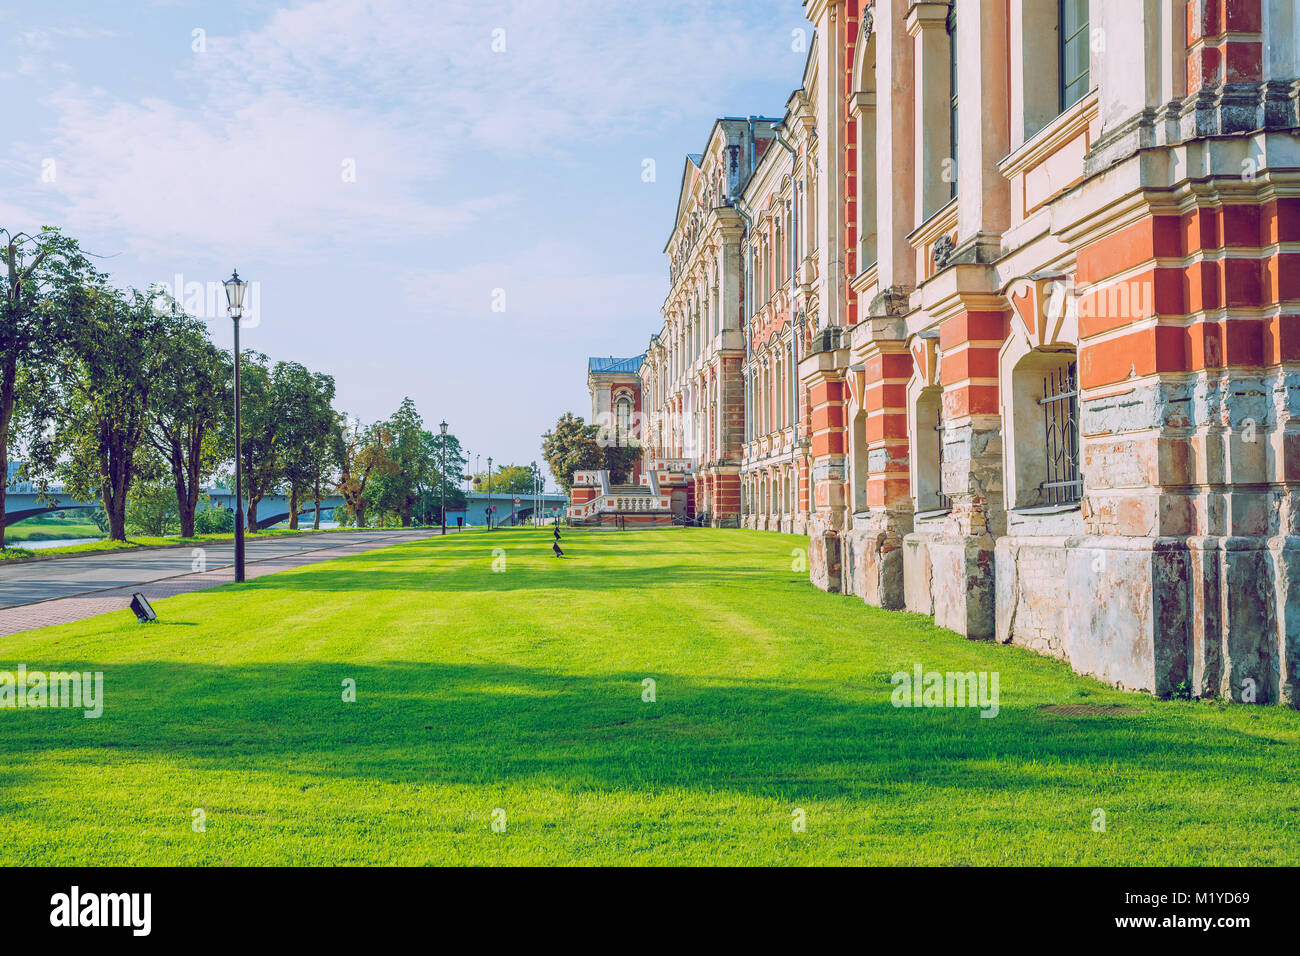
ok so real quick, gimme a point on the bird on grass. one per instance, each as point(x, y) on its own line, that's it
point(555, 546)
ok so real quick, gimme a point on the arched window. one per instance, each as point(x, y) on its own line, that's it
point(1045, 426)
point(622, 420)
point(928, 456)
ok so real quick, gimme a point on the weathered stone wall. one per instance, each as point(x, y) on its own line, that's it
point(1031, 602)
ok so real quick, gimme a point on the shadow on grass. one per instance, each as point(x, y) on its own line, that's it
point(496, 724)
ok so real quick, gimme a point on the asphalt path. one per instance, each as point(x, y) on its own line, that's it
point(35, 581)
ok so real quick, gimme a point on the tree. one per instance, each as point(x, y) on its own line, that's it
point(508, 480)
point(620, 460)
point(261, 431)
point(152, 508)
point(189, 410)
point(455, 466)
point(395, 490)
point(109, 362)
point(362, 453)
point(305, 421)
point(324, 462)
point(44, 279)
point(571, 446)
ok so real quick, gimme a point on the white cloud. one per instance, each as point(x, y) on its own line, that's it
point(244, 153)
point(271, 177)
point(550, 286)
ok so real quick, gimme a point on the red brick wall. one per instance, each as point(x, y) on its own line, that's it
point(1224, 42)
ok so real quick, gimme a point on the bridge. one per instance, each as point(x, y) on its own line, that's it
point(23, 501)
point(477, 503)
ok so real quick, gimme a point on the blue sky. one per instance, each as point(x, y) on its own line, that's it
point(379, 170)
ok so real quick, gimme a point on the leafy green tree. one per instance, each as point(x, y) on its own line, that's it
point(109, 362)
point(210, 519)
point(189, 411)
point(45, 277)
point(152, 509)
point(395, 490)
point(571, 446)
point(620, 460)
point(362, 451)
point(324, 462)
point(260, 433)
point(456, 459)
point(508, 480)
point(305, 422)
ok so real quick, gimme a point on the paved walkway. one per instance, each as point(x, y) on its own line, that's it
point(58, 591)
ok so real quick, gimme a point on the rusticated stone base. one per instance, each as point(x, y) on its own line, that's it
point(1211, 617)
point(824, 561)
point(1127, 620)
point(876, 568)
point(1031, 602)
point(952, 579)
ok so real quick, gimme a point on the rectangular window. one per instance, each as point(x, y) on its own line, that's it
point(1074, 49)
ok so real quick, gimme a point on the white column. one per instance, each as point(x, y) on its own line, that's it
point(895, 192)
point(926, 22)
point(983, 134)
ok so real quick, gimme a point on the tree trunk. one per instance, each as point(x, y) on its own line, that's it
point(360, 512)
point(251, 523)
point(315, 525)
point(115, 507)
point(115, 468)
point(184, 508)
point(7, 378)
point(293, 509)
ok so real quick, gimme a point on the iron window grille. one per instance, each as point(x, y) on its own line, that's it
point(1060, 402)
point(943, 502)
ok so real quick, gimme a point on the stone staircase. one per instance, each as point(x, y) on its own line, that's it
point(640, 503)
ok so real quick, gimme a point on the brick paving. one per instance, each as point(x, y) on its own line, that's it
point(64, 610)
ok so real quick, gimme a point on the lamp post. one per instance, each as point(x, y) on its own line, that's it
point(489, 504)
point(443, 426)
point(235, 287)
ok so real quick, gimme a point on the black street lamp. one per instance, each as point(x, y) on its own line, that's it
point(443, 426)
point(235, 287)
point(489, 504)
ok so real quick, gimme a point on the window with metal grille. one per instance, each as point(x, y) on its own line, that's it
point(1060, 402)
point(1073, 53)
point(943, 502)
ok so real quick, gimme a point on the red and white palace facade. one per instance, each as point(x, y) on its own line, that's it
point(1004, 313)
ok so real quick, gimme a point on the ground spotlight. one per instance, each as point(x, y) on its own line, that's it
point(144, 611)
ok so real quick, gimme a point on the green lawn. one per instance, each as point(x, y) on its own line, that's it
point(142, 541)
point(522, 690)
point(50, 527)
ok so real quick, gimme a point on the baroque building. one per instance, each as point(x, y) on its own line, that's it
point(1004, 313)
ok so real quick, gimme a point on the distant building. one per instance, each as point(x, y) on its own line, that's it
point(615, 387)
